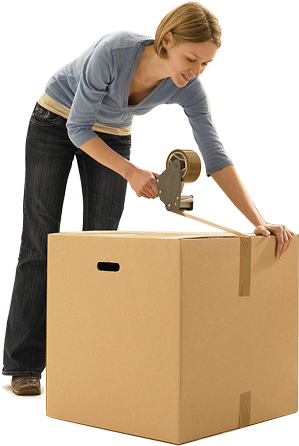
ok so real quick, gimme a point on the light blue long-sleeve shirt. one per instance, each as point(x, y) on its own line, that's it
point(95, 87)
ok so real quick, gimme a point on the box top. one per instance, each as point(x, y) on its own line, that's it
point(150, 235)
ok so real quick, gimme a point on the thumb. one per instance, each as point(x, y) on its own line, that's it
point(261, 230)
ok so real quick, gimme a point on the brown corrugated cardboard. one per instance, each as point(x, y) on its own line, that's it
point(190, 336)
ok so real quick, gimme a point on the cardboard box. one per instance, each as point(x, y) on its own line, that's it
point(171, 336)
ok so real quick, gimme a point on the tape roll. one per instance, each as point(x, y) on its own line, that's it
point(190, 164)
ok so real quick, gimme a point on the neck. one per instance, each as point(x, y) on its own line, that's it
point(152, 67)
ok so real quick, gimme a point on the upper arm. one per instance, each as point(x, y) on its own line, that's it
point(92, 87)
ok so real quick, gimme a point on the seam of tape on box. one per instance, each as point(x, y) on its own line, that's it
point(245, 266)
point(245, 406)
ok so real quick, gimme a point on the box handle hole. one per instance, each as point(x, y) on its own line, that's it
point(108, 266)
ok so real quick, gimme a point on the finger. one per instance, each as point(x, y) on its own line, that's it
point(285, 243)
point(143, 193)
point(288, 238)
point(150, 190)
point(290, 234)
point(150, 193)
point(263, 230)
point(280, 241)
point(153, 189)
point(283, 240)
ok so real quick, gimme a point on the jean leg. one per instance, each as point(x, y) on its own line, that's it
point(103, 189)
point(49, 155)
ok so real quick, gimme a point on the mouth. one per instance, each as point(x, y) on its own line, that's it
point(186, 78)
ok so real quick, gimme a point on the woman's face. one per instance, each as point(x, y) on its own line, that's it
point(187, 60)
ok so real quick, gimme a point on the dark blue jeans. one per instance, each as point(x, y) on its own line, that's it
point(49, 157)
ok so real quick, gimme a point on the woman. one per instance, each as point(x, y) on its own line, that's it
point(87, 111)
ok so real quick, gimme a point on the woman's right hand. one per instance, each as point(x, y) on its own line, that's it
point(143, 182)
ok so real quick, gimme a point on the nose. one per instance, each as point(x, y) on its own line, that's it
point(202, 69)
point(195, 72)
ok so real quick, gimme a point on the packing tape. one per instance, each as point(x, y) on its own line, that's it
point(206, 222)
point(245, 266)
point(244, 411)
point(245, 253)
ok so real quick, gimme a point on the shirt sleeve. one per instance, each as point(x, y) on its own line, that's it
point(195, 103)
point(92, 87)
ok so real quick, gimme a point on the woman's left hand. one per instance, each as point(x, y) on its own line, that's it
point(284, 236)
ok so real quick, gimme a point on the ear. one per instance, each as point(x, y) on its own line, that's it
point(167, 40)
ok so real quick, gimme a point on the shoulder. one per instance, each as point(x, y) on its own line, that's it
point(195, 86)
point(114, 51)
point(119, 40)
point(192, 93)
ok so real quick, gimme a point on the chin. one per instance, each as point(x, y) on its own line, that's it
point(179, 84)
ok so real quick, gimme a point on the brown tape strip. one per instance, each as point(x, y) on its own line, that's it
point(244, 413)
point(245, 266)
point(206, 222)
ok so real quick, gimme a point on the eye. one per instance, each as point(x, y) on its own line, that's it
point(191, 60)
point(205, 64)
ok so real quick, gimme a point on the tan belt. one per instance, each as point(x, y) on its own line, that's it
point(54, 106)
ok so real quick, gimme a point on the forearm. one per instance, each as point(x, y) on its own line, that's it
point(101, 152)
point(143, 182)
point(231, 184)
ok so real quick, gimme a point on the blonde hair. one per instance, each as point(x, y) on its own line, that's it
point(189, 22)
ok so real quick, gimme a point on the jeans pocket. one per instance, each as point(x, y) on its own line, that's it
point(42, 116)
point(125, 139)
